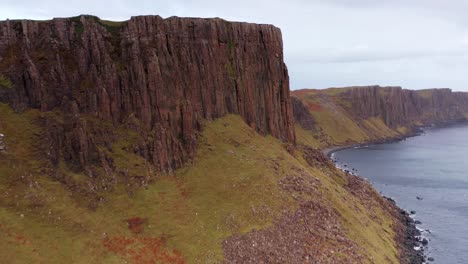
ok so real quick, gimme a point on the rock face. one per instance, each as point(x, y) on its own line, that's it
point(396, 107)
point(401, 107)
point(2, 144)
point(302, 114)
point(161, 77)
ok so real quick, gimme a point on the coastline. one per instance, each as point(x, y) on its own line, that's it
point(408, 239)
point(330, 150)
point(412, 247)
point(416, 131)
point(410, 242)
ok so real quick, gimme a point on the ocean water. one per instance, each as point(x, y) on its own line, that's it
point(432, 166)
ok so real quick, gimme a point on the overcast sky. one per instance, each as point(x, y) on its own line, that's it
point(410, 43)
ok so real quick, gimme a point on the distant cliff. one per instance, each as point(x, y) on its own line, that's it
point(372, 113)
point(160, 77)
point(401, 107)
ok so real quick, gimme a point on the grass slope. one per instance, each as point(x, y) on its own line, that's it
point(231, 187)
point(336, 126)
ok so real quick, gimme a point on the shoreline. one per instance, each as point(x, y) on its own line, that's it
point(411, 245)
point(416, 131)
point(330, 150)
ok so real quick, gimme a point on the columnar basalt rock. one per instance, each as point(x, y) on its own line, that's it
point(162, 77)
point(302, 114)
point(401, 107)
point(2, 144)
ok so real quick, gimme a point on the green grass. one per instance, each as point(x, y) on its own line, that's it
point(192, 211)
point(112, 27)
point(79, 27)
point(5, 82)
point(336, 125)
point(196, 209)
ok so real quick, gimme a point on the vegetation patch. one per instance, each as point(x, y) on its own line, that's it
point(78, 25)
point(336, 124)
point(5, 82)
point(230, 70)
point(144, 250)
point(136, 224)
point(112, 27)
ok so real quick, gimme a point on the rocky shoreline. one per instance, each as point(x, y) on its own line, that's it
point(330, 150)
point(413, 133)
point(409, 237)
point(411, 243)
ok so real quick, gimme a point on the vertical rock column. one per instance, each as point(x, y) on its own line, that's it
point(164, 75)
point(2, 144)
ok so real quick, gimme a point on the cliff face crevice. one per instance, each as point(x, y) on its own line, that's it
point(301, 114)
point(161, 77)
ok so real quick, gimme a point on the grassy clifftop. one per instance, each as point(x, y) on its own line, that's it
point(243, 198)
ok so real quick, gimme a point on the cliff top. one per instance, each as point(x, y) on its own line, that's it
point(338, 90)
point(118, 23)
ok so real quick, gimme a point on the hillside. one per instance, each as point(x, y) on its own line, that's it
point(242, 188)
point(171, 141)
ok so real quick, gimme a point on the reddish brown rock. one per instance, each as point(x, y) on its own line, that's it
point(402, 107)
point(160, 76)
point(302, 114)
point(396, 106)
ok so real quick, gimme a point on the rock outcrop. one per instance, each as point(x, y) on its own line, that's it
point(160, 77)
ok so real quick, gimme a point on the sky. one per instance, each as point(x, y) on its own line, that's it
point(327, 43)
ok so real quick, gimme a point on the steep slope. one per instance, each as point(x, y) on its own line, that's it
point(354, 115)
point(245, 199)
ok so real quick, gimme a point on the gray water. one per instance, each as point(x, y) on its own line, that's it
point(432, 166)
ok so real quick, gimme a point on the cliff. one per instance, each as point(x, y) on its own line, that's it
point(352, 115)
point(92, 111)
point(301, 114)
point(159, 77)
point(402, 107)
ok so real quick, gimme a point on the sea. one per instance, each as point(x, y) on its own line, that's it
point(427, 174)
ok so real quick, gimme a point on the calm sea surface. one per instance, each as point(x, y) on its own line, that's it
point(434, 167)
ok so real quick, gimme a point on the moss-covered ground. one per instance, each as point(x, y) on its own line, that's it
point(179, 218)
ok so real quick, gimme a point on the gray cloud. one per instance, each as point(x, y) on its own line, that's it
point(412, 43)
